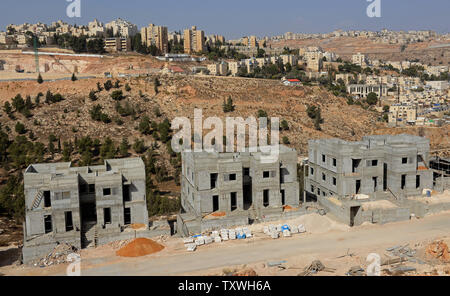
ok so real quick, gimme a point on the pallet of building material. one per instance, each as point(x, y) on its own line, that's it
point(266, 229)
point(200, 241)
point(285, 227)
point(301, 228)
point(294, 229)
point(286, 233)
point(217, 239)
point(278, 227)
point(191, 247)
point(208, 240)
point(274, 235)
point(188, 240)
point(215, 233)
point(232, 234)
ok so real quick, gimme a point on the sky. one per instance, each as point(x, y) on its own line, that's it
point(237, 18)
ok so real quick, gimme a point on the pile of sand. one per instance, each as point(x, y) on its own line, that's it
point(137, 226)
point(139, 247)
point(315, 223)
point(378, 204)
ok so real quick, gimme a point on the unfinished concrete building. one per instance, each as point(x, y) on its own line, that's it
point(82, 206)
point(377, 166)
point(238, 185)
point(375, 180)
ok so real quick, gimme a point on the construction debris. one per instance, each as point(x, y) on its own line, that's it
point(57, 256)
point(245, 272)
point(438, 250)
point(275, 263)
point(399, 270)
point(315, 267)
point(355, 271)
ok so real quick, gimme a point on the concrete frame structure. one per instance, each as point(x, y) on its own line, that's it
point(377, 166)
point(82, 205)
point(239, 184)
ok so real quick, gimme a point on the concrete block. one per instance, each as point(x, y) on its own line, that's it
point(286, 233)
point(191, 247)
point(208, 240)
point(188, 240)
point(301, 228)
point(200, 241)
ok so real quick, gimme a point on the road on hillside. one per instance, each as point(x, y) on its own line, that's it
point(337, 241)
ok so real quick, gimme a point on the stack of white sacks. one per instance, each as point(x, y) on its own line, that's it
point(191, 243)
point(274, 231)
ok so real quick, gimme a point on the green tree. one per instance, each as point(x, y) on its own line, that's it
point(117, 95)
point(139, 146)
point(284, 125)
point(123, 148)
point(372, 98)
point(261, 113)
point(92, 96)
point(108, 85)
point(20, 128)
point(39, 79)
point(228, 105)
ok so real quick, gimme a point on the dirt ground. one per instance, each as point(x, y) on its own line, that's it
point(320, 230)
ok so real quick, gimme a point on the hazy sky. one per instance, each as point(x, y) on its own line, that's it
point(235, 19)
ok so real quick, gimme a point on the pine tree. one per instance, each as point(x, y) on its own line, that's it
point(39, 79)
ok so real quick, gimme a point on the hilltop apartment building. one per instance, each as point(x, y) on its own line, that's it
point(156, 35)
point(194, 40)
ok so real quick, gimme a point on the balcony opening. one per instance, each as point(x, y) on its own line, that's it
point(266, 198)
point(355, 164)
point(48, 223)
point(215, 202)
point(127, 216)
point(47, 199)
point(403, 182)
point(107, 216)
point(126, 193)
point(358, 186)
point(68, 221)
point(233, 197)
point(213, 180)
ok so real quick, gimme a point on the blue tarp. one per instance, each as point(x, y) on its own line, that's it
point(285, 227)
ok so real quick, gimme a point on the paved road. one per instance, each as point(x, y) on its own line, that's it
point(359, 237)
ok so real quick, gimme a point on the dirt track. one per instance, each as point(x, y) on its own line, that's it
point(298, 250)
